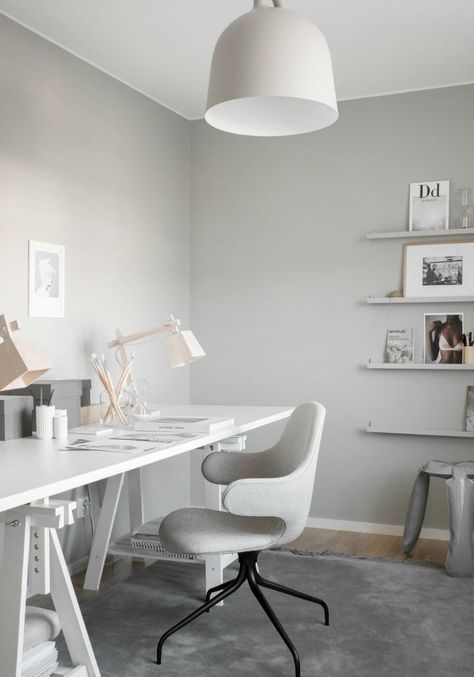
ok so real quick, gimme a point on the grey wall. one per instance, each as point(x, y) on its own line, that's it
point(280, 265)
point(280, 268)
point(88, 163)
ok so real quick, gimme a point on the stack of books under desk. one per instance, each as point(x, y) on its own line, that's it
point(40, 656)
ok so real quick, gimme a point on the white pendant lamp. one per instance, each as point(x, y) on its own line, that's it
point(271, 75)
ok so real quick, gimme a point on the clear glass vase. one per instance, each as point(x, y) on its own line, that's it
point(109, 416)
point(464, 208)
point(138, 391)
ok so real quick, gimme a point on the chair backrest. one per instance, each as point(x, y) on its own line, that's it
point(300, 440)
point(284, 486)
point(297, 453)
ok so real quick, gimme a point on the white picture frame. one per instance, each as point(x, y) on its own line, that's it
point(429, 206)
point(438, 269)
point(46, 279)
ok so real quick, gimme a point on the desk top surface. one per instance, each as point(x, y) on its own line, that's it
point(32, 469)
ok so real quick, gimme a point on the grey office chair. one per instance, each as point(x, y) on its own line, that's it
point(266, 503)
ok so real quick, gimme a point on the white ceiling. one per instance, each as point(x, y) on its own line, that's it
point(163, 48)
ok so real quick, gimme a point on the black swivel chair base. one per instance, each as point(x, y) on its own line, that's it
point(248, 572)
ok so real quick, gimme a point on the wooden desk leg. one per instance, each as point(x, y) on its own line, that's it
point(67, 608)
point(103, 532)
point(13, 584)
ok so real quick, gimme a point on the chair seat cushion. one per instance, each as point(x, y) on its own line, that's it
point(200, 531)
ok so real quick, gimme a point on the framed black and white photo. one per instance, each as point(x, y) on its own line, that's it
point(442, 269)
point(46, 279)
point(429, 205)
point(443, 338)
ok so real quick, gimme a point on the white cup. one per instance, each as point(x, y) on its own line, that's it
point(60, 424)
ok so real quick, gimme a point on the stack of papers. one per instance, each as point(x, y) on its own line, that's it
point(125, 442)
point(159, 438)
point(113, 445)
point(40, 661)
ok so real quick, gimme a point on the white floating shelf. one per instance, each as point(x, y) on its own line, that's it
point(402, 430)
point(418, 299)
point(402, 234)
point(417, 365)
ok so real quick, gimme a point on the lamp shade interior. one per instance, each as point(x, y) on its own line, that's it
point(183, 348)
point(270, 116)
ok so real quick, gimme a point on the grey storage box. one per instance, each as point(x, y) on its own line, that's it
point(68, 394)
point(15, 416)
point(86, 392)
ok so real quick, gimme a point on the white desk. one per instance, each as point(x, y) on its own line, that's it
point(33, 470)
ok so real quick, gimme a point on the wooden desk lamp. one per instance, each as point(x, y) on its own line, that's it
point(181, 346)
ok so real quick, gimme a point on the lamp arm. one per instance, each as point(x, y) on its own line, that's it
point(171, 323)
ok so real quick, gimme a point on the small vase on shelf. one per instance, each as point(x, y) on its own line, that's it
point(464, 208)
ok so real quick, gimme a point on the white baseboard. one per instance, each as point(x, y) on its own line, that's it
point(373, 528)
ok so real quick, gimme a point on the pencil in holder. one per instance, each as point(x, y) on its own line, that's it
point(44, 422)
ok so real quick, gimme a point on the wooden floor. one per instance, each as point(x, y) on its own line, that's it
point(311, 540)
point(369, 545)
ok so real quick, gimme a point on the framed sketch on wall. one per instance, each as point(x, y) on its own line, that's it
point(46, 279)
point(442, 269)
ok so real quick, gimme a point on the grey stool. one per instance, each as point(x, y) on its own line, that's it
point(266, 503)
point(460, 494)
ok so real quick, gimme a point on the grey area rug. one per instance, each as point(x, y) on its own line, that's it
point(387, 619)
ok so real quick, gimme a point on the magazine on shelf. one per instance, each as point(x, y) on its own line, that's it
point(400, 346)
point(191, 424)
point(429, 205)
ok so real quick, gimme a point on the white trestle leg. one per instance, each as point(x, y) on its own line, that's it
point(103, 532)
point(33, 563)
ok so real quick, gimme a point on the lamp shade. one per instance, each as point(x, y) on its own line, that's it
point(21, 362)
point(183, 348)
point(271, 75)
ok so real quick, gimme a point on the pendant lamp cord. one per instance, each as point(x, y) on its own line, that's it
point(262, 3)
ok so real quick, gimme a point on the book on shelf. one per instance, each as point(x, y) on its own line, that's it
point(178, 424)
point(470, 409)
point(400, 346)
point(429, 205)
